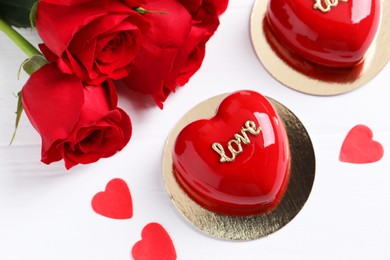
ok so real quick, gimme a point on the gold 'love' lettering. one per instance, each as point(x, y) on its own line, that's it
point(326, 5)
point(250, 127)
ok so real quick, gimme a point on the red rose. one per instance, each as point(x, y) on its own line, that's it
point(205, 21)
point(94, 39)
point(77, 123)
point(166, 36)
point(178, 39)
point(212, 6)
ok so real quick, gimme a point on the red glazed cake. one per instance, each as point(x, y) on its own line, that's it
point(238, 162)
point(333, 33)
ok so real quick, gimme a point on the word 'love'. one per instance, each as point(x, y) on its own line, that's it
point(250, 127)
point(326, 5)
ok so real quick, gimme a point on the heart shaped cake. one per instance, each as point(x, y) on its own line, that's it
point(238, 162)
point(334, 33)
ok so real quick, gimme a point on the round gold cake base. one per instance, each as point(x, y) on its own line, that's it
point(301, 75)
point(251, 227)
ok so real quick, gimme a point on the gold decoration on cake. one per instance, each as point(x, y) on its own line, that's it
point(326, 5)
point(250, 127)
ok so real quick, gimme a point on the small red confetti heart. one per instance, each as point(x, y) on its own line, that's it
point(115, 202)
point(155, 244)
point(359, 147)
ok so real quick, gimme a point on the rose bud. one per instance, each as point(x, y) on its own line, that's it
point(77, 123)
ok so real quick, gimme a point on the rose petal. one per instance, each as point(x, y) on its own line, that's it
point(212, 6)
point(134, 3)
point(68, 64)
point(65, 2)
point(52, 101)
point(57, 33)
point(112, 95)
point(216, 6)
point(191, 5)
point(95, 106)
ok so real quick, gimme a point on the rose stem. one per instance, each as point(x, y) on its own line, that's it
point(18, 39)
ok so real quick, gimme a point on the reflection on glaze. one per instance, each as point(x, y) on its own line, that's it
point(267, 128)
point(361, 11)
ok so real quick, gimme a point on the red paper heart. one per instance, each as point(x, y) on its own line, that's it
point(115, 202)
point(155, 244)
point(255, 180)
point(359, 147)
point(338, 35)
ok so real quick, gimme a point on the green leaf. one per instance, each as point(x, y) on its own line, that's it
point(16, 12)
point(33, 64)
point(33, 15)
point(19, 111)
point(30, 65)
